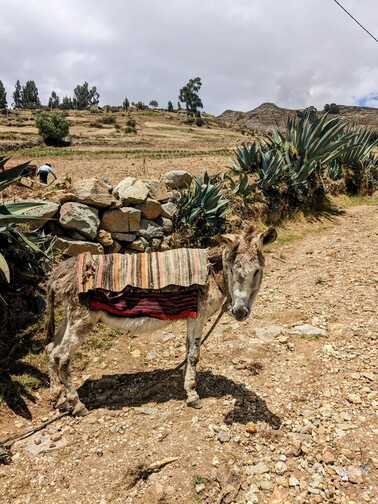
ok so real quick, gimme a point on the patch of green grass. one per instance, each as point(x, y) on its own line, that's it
point(124, 153)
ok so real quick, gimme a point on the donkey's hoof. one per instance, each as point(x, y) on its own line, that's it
point(80, 410)
point(194, 403)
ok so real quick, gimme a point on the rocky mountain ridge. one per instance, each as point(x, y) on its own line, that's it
point(269, 116)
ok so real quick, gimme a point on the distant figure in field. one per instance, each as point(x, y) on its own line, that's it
point(44, 171)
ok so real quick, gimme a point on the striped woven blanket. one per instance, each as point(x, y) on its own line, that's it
point(162, 285)
point(162, 304)
point(155, 270)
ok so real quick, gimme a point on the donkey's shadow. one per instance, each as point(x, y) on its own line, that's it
point(162, 385)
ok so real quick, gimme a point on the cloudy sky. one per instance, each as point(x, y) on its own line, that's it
point(292, 52)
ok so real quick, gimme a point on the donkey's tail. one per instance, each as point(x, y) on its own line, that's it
point(50, 315)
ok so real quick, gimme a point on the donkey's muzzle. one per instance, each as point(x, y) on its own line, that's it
point(240, 312)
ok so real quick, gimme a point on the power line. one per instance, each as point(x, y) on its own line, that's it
point(355, 20)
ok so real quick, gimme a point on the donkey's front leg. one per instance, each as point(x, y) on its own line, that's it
point(193, 345)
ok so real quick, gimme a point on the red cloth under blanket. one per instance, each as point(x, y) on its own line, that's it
point(180, 303)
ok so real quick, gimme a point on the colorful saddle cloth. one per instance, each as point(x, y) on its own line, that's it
point(163, 285)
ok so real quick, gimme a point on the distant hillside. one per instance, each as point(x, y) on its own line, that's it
point(269, 116)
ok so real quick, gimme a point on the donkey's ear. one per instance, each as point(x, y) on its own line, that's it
point(231, 240)
point(250, 233)
point(268, 236)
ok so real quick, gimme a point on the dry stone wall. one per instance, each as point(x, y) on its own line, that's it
point(136, 215)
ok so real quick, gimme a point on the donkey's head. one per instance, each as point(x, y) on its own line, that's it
point(243, 265)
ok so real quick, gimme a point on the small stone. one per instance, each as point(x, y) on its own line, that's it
point(215, 461)
point(328, 456)
point(200, 488)
point(280, 468)
point(308, 330)
point(105, 238)
point(259, 468)
point(354, 398)
point(151, 356)
point(265, 485)
point(223, 437)
point(251, 428)
point(56, 436)
point(328, 349)
point(355, 474)
point(149, 411)
point(293, 482)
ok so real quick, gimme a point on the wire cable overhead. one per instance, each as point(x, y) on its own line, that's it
point(355, 20)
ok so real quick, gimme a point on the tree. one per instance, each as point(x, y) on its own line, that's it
point(189, 96)
point(331, 108)
point(178, 105)
point(3, 96)
point(154, 103)
point(125, 104)
point(85, 97)
point(29, 96)
point(170, 106)
point(17, 95)
point(67, 103)
point(54, 101)
point(140, 106)
point(53, 127)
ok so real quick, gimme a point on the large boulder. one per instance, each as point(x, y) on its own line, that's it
point(166, 224)
point(121, 220)
point(74, 247)
point(94, 192)
point(168, 210)
point(139, 245)
point(81, 218)
point(157, 190)
point(177, 179)
point(105, 238)
point(151, 209)
point(131, 191)
point(44, 209)
point(150, 229)
point(124, 237)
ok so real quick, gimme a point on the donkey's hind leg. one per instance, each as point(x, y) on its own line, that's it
point(79, 323)
point(56, 386)
point(193, 345)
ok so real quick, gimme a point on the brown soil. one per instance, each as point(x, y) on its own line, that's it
point(302, 411)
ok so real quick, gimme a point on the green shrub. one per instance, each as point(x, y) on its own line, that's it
point(130, 130)
point(108, 119)
point(131, 122)
point(53, 127)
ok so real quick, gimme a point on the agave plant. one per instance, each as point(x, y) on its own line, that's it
point(24, 256)
point(357, 164)
point(201, 211)
point(247, 159)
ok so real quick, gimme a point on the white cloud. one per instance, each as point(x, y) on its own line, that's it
point(295, 53)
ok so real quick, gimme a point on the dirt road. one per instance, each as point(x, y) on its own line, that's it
point(290, 413)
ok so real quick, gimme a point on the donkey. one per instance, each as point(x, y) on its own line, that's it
point(236, 281)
